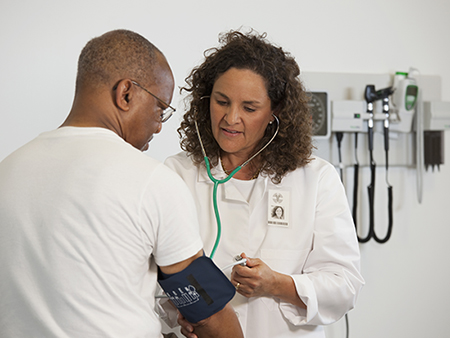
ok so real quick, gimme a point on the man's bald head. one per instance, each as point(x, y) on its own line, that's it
point(116, 55)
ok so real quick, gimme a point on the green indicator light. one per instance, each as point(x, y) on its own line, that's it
point(357, 116)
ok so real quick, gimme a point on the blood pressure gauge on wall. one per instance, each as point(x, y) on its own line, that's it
point(320, 113)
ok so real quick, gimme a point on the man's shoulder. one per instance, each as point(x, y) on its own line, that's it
point(181, 158)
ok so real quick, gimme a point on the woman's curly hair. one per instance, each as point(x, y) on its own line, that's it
point(292, 147)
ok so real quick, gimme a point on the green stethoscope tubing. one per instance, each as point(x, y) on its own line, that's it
point(226, 179)
point(215, 204)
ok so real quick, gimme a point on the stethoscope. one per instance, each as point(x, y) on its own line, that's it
point(238, 260)
point(217, 182)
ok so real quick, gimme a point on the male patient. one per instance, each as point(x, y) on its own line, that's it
point(86, 218)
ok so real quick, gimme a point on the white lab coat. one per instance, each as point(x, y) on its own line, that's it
point(319, 249)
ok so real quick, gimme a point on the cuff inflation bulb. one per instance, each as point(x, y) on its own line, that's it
point(238, 260)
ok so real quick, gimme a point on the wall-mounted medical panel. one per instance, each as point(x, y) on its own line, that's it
point(346, 94)
point(436, 115)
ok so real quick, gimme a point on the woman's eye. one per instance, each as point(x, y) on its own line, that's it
point(222, 103)
point(249, 109)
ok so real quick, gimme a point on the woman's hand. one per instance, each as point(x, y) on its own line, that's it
point(186, 327)
point(257, 279)
point(222, 324)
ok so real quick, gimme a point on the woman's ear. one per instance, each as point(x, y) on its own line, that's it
point(273, 118)
point(122, 95)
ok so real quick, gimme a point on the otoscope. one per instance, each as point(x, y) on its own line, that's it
point(371, 95)
point(383, 94)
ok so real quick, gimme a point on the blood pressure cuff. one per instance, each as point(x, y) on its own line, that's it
point(199, 291)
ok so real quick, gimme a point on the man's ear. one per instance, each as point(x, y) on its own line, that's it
point(123, 94)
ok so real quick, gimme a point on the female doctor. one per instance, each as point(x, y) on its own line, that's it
point(302, 270)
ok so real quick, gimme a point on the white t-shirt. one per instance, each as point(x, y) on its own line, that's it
point(84, 219)
point(314, 242)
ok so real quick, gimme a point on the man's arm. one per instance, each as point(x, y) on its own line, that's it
point(177, 267)
point(223, 323)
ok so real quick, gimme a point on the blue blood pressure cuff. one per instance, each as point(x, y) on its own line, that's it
point(199, 291)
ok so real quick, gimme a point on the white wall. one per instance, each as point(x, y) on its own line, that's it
point(407, 279)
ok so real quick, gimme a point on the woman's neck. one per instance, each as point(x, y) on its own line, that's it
point(248, 172)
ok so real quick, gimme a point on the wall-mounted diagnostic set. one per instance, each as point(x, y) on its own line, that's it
point(404, 107)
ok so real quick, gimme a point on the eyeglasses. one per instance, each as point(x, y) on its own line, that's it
point(167, 112)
